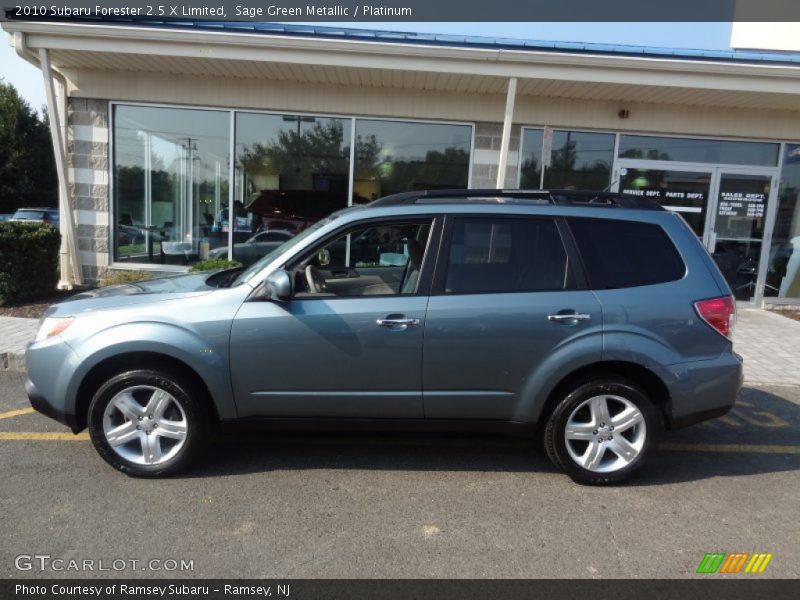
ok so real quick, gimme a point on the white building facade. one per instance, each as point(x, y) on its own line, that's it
point(179, 140)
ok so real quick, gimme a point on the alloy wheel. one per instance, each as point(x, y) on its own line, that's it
point(605, 433)
point(145, 425)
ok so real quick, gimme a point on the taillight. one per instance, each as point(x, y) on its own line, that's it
point(720, 313)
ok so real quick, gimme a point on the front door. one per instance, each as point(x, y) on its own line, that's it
point(736, 232)
point(349, 342)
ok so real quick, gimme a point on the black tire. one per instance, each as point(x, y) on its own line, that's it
point(184, 393)
point(555, 429)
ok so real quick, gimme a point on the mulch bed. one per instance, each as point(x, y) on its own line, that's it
point(792, 314)
point(34, 309)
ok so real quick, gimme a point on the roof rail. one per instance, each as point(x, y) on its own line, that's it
point(556, 197)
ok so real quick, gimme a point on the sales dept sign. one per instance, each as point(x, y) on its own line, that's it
point(740, 204)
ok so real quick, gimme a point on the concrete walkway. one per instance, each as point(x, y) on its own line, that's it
point(769, 343)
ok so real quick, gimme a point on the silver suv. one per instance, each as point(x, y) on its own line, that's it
point(594, 319)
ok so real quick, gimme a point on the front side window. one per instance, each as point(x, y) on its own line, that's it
point(170, 183)
point(622, 254)
point(381, 259)
point(505, 255)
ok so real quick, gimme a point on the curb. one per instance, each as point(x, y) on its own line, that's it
point(12, 361)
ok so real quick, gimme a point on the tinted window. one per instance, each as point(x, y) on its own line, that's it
point(619, 254)
point(505, 255)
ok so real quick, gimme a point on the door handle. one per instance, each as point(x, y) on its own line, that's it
point(398, 322)
point(569, 317)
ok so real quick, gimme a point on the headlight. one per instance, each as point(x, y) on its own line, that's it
point(53, 326)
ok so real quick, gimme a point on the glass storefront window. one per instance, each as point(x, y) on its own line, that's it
point(725, 152)
point(685, 192)
point(393, 156)
point(291, 170)
point(580, 160)
point(783, 274)
point(170, 181)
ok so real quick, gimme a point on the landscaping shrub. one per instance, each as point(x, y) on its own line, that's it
point(28, 260)
point(119, 277)
point(215, 264)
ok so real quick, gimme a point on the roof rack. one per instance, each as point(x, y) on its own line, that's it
point(488, 196)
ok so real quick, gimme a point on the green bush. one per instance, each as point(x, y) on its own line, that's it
point(119, 277)
point(215, 264)
point(28, 260)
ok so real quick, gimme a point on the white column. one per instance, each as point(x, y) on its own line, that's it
point(506, 140)
point(69, 262)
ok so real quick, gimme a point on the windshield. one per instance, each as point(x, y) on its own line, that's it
point(287, 245)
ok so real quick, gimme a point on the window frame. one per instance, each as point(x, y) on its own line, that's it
point(429, 259)
point(576, 277)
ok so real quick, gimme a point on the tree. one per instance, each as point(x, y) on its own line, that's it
point(27, 166)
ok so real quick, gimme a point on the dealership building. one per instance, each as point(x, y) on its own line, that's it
point(177, 139)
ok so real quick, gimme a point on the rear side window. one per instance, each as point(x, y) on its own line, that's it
point(621, 254)
point(491, 255)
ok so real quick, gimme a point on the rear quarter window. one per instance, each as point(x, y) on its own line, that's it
point(622, 254)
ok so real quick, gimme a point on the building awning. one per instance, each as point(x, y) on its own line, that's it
point(421, 61)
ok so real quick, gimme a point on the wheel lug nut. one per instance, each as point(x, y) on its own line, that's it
point(155, 425)
point(611, 428)
point(610, 437)
point(149, 416)
point(138, 427)
point(594, 432)
point(602, 424)
point(140, 418)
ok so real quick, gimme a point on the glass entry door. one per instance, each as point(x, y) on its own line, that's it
point(684, 190)
point(737, 230)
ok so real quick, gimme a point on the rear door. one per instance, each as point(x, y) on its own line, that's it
point(507, 301)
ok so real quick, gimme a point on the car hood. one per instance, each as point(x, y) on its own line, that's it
point(155, 290)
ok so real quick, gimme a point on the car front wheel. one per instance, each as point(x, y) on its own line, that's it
point(148, 423)
point(602, 431)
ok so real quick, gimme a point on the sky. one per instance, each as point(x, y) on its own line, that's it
point(706, 36)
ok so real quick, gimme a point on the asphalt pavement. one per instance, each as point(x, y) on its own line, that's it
point(381, 506)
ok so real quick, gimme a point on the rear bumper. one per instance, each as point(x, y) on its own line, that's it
point(702, 390)
point(40, 404)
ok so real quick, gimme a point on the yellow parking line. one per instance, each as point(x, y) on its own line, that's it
point(43, 436)
point(746, 448)
point(16, 413)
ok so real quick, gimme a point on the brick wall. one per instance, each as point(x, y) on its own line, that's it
point(486, 158)
point(87, 175)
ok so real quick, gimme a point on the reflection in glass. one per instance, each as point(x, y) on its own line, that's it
point(170, 180)
point(291, 170)
point(394, 157)
point(580, 160)
point(739, 228)
point(726, 152)
point(685, 192)
point(783, 276)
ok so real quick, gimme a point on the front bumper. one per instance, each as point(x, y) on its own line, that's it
point(40, 404)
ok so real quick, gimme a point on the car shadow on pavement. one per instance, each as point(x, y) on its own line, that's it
point(760, 435)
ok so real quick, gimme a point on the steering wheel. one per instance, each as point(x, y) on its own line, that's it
point(316, 282)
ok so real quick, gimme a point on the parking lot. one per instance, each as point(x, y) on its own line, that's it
point(295, 506)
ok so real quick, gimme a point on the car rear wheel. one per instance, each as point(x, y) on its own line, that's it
point(602, 431)
point(148, 423)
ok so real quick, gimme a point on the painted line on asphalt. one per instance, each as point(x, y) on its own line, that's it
point(745, 448)
point(16, 413)
point(43, 436)
point(59, 436)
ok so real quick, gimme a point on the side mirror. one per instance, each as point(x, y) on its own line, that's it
point(278, 286)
